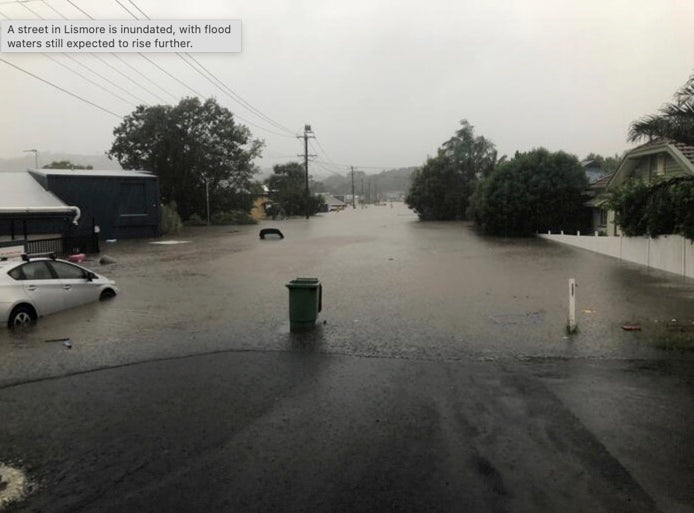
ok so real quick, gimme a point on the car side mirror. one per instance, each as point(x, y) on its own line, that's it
point(91, 276)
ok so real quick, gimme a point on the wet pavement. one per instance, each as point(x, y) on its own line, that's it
point(440, 377)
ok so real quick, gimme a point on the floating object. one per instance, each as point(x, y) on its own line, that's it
point(270, 231)
point(106, 260)
point(631, 327)
point(111, 241)
point(77, 258)
point(14, 485)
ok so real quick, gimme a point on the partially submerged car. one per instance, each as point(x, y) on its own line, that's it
point(36, 286)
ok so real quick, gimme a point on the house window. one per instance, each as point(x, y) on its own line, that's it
point(603, 217)
point(660, 165)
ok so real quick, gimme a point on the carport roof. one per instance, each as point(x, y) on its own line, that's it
point(123, 173)
point(19, 190)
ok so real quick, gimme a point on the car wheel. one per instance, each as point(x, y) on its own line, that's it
point(107, 294)
point(22, 316)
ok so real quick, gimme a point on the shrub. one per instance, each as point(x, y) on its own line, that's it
point(666, 207)
point(169, 220)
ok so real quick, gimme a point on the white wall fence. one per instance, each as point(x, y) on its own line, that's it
point(671, 253)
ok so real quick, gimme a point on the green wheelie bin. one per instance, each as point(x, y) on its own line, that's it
point(305, 301)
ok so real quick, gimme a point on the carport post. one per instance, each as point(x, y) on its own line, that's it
point(571, 327)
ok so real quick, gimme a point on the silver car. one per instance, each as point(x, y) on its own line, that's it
point(34, 287)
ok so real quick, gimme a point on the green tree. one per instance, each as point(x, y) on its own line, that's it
point(65, 164)
point(441, 188)
point(189, 146)
point(533, 192)
point(607, 164)
point(665, 207)
point(288, 190)
point(674, 120)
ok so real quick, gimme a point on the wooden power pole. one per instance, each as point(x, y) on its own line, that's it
point(306, 136)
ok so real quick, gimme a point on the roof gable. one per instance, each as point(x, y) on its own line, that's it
point(681, 153)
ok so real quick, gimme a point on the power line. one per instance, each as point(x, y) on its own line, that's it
point(88, 79)
point(136, 7)
point(53, 9)
point(383, 168)
point(60, 88)
point(101, 59)
point(235, 96)
point(94, 72)
point(214, 80)
point(126, 9)
point(237, 115)
point(115, 55)
point(79, 9)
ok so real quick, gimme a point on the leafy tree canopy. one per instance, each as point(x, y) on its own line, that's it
point(534, 191)
point(674, 120)
point(608, 165)
point(665, 207)
point(288, 191)
point(441, 188)
point(189, 146)
point(65, 164)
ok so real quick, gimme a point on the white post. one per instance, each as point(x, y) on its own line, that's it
point(571, 327)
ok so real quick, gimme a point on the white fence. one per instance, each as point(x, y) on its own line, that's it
point(671, 253)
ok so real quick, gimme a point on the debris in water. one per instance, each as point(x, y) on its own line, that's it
point(13, 485)
point(67, 343)
point(105, 259)
point(631, 327)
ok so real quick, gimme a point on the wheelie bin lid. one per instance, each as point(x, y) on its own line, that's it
point(303, 283)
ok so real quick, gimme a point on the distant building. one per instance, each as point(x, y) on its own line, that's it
point(331, 203)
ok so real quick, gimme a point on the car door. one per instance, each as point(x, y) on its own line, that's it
point(78, 289)
point(42, 288)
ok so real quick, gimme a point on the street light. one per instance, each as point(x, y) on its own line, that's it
point(36, 157)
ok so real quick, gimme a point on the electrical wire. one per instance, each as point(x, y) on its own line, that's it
point(60, 88)
point(105, 79)
point(88, 79)
point(212, 78)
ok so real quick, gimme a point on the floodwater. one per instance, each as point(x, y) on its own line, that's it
point(392, 287)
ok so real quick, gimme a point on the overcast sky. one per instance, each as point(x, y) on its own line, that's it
point(383, 83)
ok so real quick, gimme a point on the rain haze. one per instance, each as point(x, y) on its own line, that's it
point(382, 84)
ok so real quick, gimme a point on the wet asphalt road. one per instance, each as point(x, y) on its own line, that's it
point(442, 380)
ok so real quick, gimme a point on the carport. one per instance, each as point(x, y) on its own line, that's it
point(29, 212)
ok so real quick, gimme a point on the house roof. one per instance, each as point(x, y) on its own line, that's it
point(22, 197)
point(680, 152)
point(120, 173)
point(18, 189)
point(331, 200)
point(601, 182)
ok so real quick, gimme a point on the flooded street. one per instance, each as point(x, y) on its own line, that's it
point(393, 287)
point(439, 378)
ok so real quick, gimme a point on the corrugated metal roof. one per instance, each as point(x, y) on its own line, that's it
point(18, 189)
